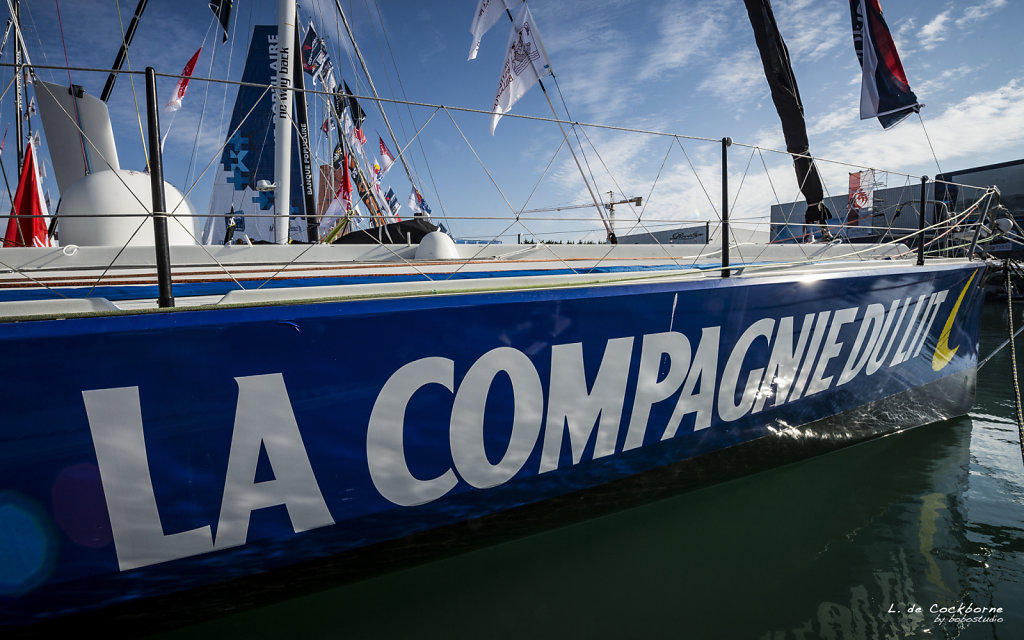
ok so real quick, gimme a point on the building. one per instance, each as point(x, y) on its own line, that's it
point(891, 212)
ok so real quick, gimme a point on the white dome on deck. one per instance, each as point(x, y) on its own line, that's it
point(93, 211)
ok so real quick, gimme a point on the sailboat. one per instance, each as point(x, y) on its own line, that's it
point(180, 422)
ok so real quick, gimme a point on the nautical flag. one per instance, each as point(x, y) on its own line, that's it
point(392, 201)
point(488, 12)
point(349, 100)
point(326, 126)
point(31, 109)
point(175, 102)
point(885, 93)
point(353, 134)
point(345, 190)
point(386, 159)
point(222, 9)
point(862, 189)
point(377, 172)
point(526, 62)
point(341, 204)
point(27, 225)
point(417, 204)
point(327, 75)
point(314, 52)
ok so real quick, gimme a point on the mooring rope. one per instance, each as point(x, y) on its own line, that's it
point(1013, 362)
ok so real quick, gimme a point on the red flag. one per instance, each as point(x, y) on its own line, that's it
point(27, 225)
point(175, 102)
point(345, 188)
point(386, 159)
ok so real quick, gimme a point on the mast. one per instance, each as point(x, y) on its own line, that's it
point(283, 120)
point(122, 53)
point(18, 88)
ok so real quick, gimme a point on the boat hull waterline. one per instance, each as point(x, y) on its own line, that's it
point(218, 443)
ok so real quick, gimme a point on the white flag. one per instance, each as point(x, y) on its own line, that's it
point(526, 62)
point(487, 13)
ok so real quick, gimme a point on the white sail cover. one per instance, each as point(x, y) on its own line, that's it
point(78, 132)
point(526, 62)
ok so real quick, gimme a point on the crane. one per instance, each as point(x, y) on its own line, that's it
point(609, 206)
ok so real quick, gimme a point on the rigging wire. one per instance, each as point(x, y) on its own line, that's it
point(401, 85)
point(131, 80)
point(63, 42)
point(1013, 362)
point(928, 138)
point(202, 112)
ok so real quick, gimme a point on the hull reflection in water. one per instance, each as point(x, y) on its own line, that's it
point(819, 549)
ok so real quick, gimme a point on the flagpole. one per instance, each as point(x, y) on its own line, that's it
point(122, 53)
point(565, 136)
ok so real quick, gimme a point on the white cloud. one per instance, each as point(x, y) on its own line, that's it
point(933, 33)
point(979, 12)
point(943, 81)
point(683, 35)
point(979, 129)
point(738, 78)
point(812, 29)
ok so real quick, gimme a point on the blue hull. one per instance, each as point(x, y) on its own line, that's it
point(152, 453)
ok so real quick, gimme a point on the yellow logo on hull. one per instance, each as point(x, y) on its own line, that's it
point(943, 354)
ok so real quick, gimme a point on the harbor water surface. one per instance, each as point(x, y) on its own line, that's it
point(916, 535)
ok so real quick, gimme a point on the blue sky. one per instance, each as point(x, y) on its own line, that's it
point(682, 67)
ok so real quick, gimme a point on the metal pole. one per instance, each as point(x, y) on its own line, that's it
point(283, 119)
point(920, 224)
point(726, 142)
point(123, 51)
point(18, 91)
point(156, 176)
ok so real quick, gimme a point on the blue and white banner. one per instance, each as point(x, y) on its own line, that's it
point(248, 156)
point(885, 93)
point(186, 460)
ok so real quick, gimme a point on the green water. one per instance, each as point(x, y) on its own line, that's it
point(868, 542)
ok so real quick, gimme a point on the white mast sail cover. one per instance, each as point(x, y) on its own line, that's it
point(76, 148)
point(526, 62)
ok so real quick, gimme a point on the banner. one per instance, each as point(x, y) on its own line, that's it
point(526, 63)
point(885, 93)
point(248, 157)
point(488, 12)
point(860, 208)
